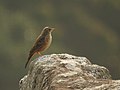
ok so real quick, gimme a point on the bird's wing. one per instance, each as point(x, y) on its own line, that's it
point(38, 44)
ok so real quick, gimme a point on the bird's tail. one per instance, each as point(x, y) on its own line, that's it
point(30, 55)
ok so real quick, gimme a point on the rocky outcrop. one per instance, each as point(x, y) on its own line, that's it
point(67, 72)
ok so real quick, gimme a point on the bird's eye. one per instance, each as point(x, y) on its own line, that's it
point(49, 29)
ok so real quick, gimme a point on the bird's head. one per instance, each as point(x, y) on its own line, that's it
point(48, 29)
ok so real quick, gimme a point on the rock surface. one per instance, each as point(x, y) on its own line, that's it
point(67, 72)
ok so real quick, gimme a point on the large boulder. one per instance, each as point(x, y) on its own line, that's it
point(67, 72)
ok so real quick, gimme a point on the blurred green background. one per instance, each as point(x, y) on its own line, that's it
point(87, 28)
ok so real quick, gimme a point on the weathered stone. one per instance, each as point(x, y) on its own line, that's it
point(67, 72)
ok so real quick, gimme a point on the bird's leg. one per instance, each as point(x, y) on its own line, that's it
point(39, 53)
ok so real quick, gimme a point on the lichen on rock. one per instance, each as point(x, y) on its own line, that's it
point(67, 72)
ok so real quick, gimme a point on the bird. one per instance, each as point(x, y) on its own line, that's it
point(42, 43)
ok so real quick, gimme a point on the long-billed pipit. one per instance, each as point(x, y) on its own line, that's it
point(41, 44)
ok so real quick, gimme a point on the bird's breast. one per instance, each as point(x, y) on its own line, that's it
point(48, 40)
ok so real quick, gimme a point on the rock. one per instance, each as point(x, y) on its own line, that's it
point(67, 72)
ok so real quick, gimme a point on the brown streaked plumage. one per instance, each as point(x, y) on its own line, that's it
point(42, 43)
